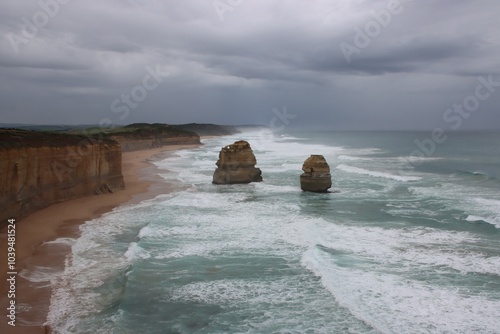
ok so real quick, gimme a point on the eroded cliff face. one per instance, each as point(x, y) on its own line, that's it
point(37, 170)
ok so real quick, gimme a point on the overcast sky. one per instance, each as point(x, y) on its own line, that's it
point(340, 64)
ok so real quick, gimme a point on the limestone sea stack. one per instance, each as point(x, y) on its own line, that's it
point(236, 164)
point(316, 176)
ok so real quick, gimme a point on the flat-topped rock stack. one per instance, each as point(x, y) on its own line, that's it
point(236, 164)
point(316, 176)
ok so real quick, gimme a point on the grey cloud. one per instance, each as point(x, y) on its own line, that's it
point(265, 54)
point(417, 55)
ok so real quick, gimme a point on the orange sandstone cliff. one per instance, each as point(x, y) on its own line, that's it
point(38, 169)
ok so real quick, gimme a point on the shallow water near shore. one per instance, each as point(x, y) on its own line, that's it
point(396, 250)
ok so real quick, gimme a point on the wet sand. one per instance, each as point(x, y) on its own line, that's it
point(36, 254)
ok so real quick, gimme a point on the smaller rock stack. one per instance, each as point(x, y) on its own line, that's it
point(236, 164)
point(316, 176)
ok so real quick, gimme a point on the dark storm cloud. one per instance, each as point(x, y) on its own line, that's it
point(262, 55)
point(415, 56)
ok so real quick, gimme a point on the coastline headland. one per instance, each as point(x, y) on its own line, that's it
point(40, 169)
point(99, 171)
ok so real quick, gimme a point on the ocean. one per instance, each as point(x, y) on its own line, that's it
point(399, 246)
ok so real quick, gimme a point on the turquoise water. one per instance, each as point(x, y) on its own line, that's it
point(395, 250)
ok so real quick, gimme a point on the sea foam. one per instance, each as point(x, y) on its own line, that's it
point(379, 257)
point(392, 304)
point(362, 171)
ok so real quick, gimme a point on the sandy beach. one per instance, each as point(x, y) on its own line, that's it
point(61, 220)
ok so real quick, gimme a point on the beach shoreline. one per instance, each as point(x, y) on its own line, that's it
point(62, 220)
